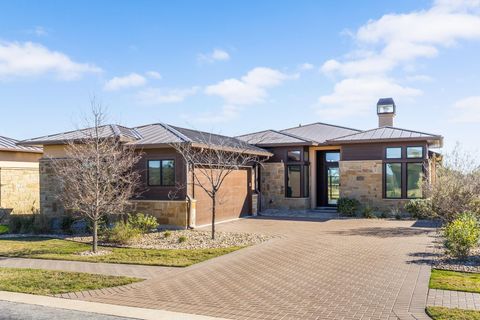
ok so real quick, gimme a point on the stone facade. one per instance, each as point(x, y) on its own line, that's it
point(363, 180)
point(49, 189)
point(19, 189)
point(273, 189)
point(168, 212)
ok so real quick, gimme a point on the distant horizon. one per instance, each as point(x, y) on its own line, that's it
point(236, 68)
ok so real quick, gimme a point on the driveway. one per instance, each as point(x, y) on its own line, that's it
point(336, 269)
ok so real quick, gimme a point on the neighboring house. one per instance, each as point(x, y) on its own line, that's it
point(306, 167)
point(19, 177)
point(315, 164)
point(167, 191)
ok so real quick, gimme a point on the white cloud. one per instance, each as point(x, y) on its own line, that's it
point(396, 41)
point(467, 110)
point(153, 75)
point(215, 55)
point(355, 96)
point(227, 113)
point(306, 66)
point(249, 89)
point(128, 81)
point(419, 78)
point(32, 59)
point(38, 31)
point(155, 96)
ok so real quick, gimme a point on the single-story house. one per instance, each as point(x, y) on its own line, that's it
point(306, 167)
point(19, 177)
point(314, 165)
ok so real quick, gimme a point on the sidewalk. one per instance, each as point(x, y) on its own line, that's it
point(454, 299)
point(99, 308)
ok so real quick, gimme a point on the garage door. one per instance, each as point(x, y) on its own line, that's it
point(233, 199)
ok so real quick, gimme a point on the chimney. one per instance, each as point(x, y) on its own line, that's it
point(386, 111)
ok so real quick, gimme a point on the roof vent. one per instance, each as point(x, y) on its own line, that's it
point(386, 110)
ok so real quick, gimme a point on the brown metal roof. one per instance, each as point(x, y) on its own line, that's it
point(152, 135)
point(320, 132)
point(274, 138)
point(388, 134)
point(9, 144)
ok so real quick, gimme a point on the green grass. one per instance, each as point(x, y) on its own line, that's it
point(456, 281)
point(46, 248)
point(45, 282)
point(441, 313)
point(3, 229)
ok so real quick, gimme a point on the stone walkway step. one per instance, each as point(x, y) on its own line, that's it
point(113, 269)
point(454, 299)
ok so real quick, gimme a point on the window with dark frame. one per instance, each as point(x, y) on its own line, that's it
point(297, 170)
point(161, 173)
point(403, 173)
point(294, 155)
point(294, 185)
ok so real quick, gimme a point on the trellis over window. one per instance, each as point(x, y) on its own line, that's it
point(403, 172)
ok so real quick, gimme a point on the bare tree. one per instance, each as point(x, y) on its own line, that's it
point(97, 175)
point(211, 160)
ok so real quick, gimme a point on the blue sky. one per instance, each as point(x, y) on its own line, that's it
point(237, 67)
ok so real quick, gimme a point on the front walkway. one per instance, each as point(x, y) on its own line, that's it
point(454, 299)
point(336, 269)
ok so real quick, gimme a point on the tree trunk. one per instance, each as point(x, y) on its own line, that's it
point(95, 236)
point(213, 217)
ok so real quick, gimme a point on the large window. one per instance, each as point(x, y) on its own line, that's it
point(403, 172)
point(393, 180)
point(414, 180)
point(161, 173)
point(293, 181)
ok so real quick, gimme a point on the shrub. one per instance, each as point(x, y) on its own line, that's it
point(66, 224)
point(143, 222)
point(121, 233)
point(167, 234)
point(41, 224)
point(348, 206)
point(462, 234)
point(367, 212)
point(182, 239)
point(419, 208)
point(20, 223)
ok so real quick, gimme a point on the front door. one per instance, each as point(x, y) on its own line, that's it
point(328, 178)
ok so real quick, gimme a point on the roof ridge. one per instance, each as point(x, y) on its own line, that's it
point(293, 136)
point(397, 128)
point(249, 134)
point(175, 132)
point(321, 123)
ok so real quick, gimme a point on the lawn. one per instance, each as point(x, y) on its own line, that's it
point(3, 228)
point(45, 282)
point(456, 281)
point(46, 248)
point(440, 313)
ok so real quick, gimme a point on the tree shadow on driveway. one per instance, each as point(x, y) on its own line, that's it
point(383, 232)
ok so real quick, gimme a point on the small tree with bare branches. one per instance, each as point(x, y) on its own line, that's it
point(97, 175)
point(211, 159)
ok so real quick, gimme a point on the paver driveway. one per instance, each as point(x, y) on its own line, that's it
point(337, 269)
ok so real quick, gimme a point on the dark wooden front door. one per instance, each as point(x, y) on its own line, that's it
point(328, 178)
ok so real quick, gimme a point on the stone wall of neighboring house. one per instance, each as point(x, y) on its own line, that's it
point(49, 189)
point(363, 180)
point(273, 189)
point(19, 188)
point(167, 212)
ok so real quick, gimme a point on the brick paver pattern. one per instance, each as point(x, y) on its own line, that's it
point(454, 299)
point(336, 269)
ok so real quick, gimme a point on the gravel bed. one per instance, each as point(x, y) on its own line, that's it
point(194, 240)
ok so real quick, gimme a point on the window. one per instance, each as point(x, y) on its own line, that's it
point(305, 155)
point(293, 181)
point(393, 153)
point(306, 184)
point(414, 180)
point(293, 155)
point(161, 172)
point(386, 108)
point(414, 152)
point(393, 180)
point(332, 156)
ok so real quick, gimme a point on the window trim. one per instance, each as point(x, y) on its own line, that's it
point(413, 158)
point(386, 153)
point(406, 178)
point(161, 185)
point(385, 180)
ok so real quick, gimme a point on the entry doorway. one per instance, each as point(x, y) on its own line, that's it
point(328, 178)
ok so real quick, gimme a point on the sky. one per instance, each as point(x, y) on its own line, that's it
point(234, 67)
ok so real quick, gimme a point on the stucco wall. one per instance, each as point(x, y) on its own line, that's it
point(362, 180)
point(273, 189)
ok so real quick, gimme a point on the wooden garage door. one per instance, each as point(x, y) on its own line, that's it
point(233, 199)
